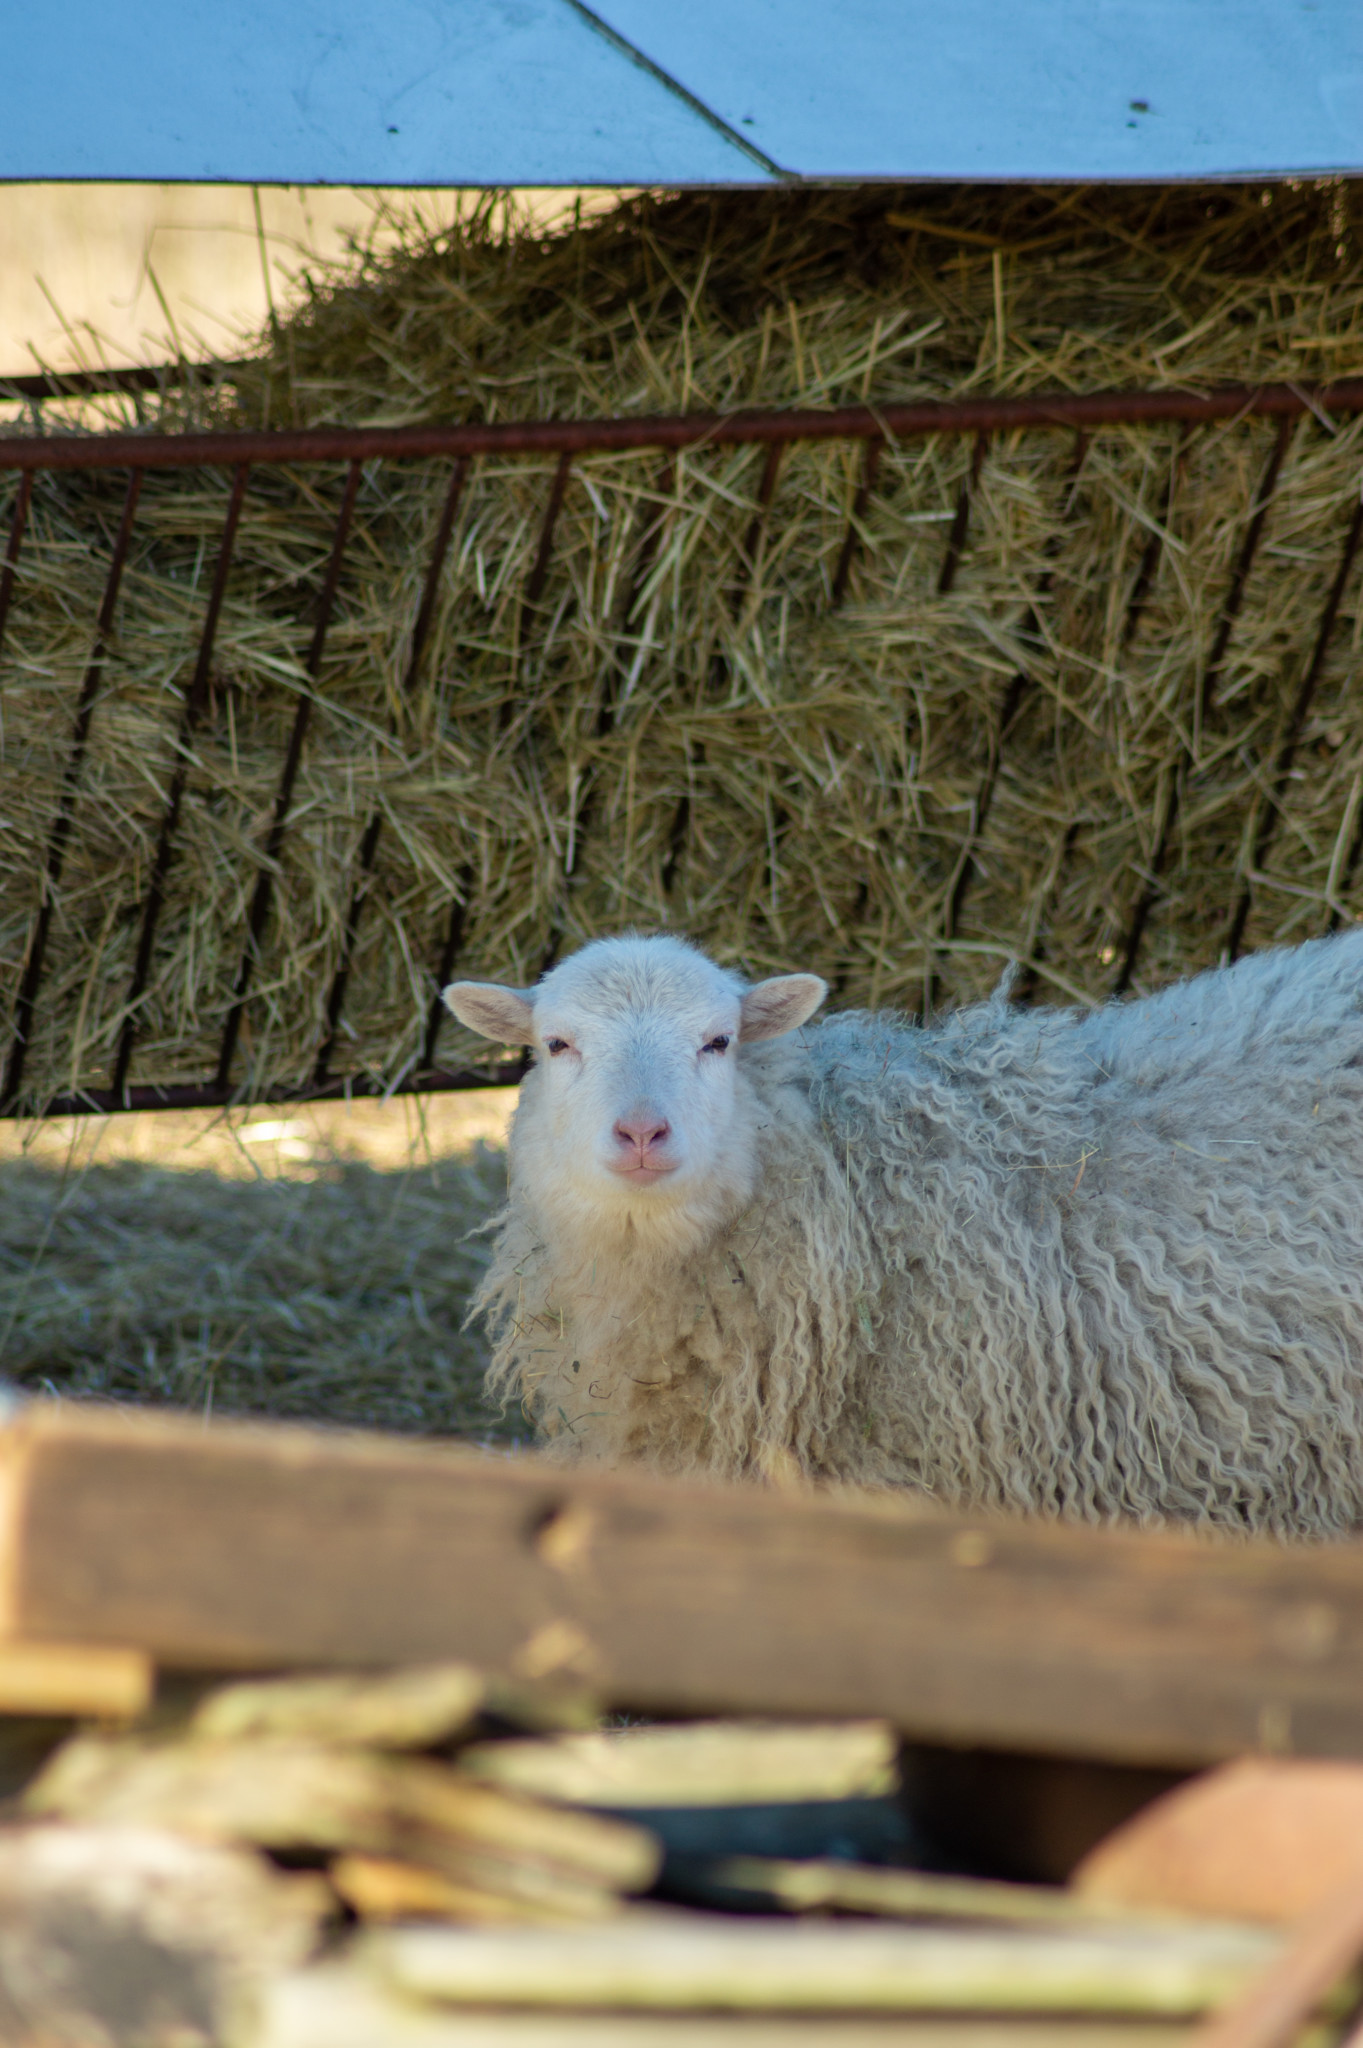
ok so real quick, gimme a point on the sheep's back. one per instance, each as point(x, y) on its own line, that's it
point(1123, 1249)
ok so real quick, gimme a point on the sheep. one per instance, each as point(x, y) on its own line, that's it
point(1094, 1264)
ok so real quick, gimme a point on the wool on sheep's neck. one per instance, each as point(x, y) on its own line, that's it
point(594, 1322)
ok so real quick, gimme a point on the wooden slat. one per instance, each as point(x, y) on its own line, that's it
point(82, 1679)
point(266, 1547)
point(334, 2005)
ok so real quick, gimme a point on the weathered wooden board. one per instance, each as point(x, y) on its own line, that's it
point(241, 1547)
point(74, 1678)
point(334, 2005)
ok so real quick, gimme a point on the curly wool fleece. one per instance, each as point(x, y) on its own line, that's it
point(1089, 1263)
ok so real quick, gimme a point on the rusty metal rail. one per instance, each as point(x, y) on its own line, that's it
point(463, 445)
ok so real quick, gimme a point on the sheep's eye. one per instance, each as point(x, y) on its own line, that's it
point(554, 1046)
point(720, 1044)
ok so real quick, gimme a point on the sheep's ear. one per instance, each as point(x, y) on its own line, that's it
point(779, 1005)
point(493, 1011)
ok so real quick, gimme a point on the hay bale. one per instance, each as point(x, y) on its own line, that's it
point(649, 743)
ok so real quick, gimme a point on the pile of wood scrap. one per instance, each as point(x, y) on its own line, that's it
point(312, 1862)
point(436, 1852)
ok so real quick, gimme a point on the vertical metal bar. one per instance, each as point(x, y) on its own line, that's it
point(264, 889)
point(61, 825)
point(752, 538)
point(652, 520)
point(22, 500)
point(873, 450)
point(951, 561)
point(534, 588)
point(1010, 704)
point(369, 845)
point(1282, 766)
point(1347, 878)
point(195, 699)
point(1154, 546)
point(449, 953)
point(747, 563)
point(1230, 611)
point(946, 577)
point(539, 572)
point(649, 528)
point(439, 551)
point(1025, 986)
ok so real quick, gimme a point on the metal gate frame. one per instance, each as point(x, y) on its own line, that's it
point(463, 445)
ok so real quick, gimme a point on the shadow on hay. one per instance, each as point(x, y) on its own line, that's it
point(337, 1298)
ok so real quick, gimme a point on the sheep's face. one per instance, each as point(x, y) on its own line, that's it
point(637, 1112)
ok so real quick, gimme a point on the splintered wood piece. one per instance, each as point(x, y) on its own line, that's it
point(708, 1763)
point(334, 2005)
point(86, 1680)
point(255, 1548)
point(110, 1935)
point(280, 1793)
point(437, 1801)
point(408, 1709)
point(1271, 2009)
point(1262, 1839)
point(276, 1792)
point(677, 1961)
point(489, 1891)
point(415, 1707)
point(818, 1886)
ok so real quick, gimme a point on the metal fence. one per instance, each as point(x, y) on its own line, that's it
point(241, 453)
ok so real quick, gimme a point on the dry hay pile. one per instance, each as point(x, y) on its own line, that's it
point(337, 1297)
point(651, 743)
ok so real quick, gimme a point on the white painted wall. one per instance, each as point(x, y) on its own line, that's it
point(113, 273)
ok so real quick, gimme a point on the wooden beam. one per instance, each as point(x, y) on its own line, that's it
point(261, 1547)
point(86, 1680)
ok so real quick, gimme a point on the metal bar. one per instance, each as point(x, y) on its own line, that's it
point(1211, 675)
point(534, 588)
point(22, 501)
point(1065, 409)
point(449, 953)
point(946, 577)
point(66, 804)
point(1282, 766)
point(1347, 878)
point(651, 520)
point(264, 889)
point(93, 383)
point(752, 539)
point(1230, 611)
point(873, 450)
point(209, 1095)
point(1154, 546)
point(1009, 705)
point(649, 528)
point(951, 561)
point(1025, 986)
point(539, 573)
point(369, 845)
point(195, 700)
point(747, 562)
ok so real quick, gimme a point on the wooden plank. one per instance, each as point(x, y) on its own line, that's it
point(334, 2005)
point(81, 1679)
point(255, 1547)
point(653, 1959)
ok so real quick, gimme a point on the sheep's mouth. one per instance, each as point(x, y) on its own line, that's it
point(642, 1173)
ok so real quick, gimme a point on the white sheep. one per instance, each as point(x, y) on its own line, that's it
point(1092, 1263)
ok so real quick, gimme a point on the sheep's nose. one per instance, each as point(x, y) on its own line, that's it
point(643, 1130)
